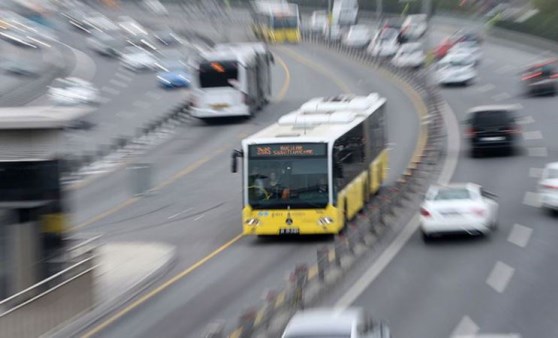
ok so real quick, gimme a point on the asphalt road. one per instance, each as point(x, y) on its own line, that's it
point(199, 210)
point(504, 284)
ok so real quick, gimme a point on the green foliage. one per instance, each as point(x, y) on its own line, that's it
point(546, 6)
point(543, 25)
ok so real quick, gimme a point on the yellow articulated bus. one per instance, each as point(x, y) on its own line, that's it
point(315, 168)
point(276, 21)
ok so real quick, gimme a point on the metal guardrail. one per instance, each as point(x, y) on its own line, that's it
point(306, 282)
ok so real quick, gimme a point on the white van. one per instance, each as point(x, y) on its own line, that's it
point(324, 322)
point(345, 12)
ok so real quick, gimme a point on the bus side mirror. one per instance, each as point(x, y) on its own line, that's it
point(234, 165)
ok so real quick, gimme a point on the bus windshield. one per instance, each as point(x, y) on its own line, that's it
point(285, 22)
point(281, 182)
point(218, 74)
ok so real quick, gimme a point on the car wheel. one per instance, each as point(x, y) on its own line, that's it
point(475, 153)
point(426, 238)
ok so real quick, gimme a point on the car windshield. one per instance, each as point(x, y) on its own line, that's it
point(283, 181)
point(490, 118)
point(551, 173)
point(448, 194)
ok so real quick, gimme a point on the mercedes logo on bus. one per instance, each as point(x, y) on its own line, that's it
point(289, 221)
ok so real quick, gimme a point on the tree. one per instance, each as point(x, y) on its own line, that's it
point(546, 6)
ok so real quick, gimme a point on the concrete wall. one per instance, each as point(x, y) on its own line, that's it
point(52, 308)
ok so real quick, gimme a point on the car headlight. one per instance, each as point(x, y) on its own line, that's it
point(253, 222)
point(325, 220)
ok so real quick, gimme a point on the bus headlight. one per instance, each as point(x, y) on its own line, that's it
point(253, 222)
point(325, 220)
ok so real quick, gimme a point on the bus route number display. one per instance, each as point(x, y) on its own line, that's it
point(284, 150)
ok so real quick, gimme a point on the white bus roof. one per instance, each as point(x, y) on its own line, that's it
point(319, 120)
point(41, 117)
point(274, 7)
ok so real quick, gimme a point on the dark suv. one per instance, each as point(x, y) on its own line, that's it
point(541, 78)
point(492, 128)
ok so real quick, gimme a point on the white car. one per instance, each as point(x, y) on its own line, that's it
point(385, 43)
point(470, 48)
point(358, 36)
point(456, 68)
point(138, 59)
point(334, 33)
point(73, 91)
point(409, 55)
point(458, 208)
point(548, 187)
point(318, 21)
point(334, 323)
point(414, 26)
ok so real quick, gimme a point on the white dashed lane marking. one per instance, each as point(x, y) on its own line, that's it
point(520, 235)
point(466, 327)
point(536, 172)
point(526, 120)
point(486, 88)
point(110, 90)
point(500, 276)
point(532, 199)
point(118, 83)
point(501, 97)
point(537, 152)
point(532, 135)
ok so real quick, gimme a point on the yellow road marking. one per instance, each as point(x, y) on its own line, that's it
point(286, 83)
point(160, 288)
point(320, 69)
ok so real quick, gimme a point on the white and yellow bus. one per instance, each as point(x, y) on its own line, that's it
point(276, 21)
point(315, 168)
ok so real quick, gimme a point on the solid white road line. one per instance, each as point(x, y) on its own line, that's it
point(532, 199)
point(537, 152)
point(179, 213)
point(500, 276)
point(526, 120)
point(520, 235)
point(466, 327)
point(199, 217)
point(450, 163)
point(536, 172)
point(532, 135)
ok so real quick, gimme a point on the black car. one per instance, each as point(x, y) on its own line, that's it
point(492, 128)
point(541, 78)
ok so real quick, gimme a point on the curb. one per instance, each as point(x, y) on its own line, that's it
point(76, 326)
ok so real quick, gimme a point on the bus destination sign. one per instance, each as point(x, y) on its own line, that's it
point(287, 150)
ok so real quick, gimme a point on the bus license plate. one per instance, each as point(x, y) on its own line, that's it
point(289, 231)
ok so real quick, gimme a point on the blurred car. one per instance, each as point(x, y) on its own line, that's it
point(20, 68)
point(442, 49)
point(409, 55)
point(358, 36)
point(548, 187)
point(18, 37)
point(470, 48)
point(334, 323)
point(77, 18)
point(137, 59)
point(333, 33)
point(414, 26)
point(541, 78)
point(174, 75)
point(467, 35)
point(167, 37)
point(318, 21)
point(393, 22)
point(106, 44)
point(155, 6)
point(458, 208)
point(143, 42)
point(454, 69)
point(492, 127)
point(73, 91)
point(100, 23)
point(385, 43)
point(131, 26)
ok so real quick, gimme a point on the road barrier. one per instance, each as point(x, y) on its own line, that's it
point(382, 214)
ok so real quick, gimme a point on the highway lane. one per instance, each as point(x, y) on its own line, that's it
point(502, 284)
point(198, 214)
